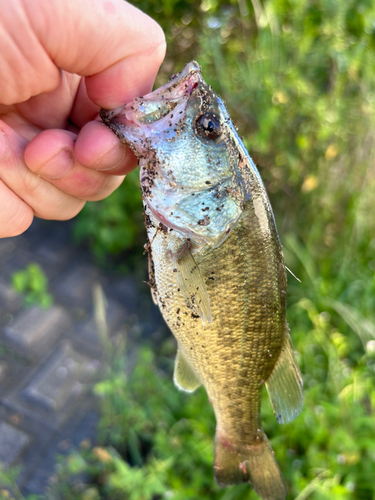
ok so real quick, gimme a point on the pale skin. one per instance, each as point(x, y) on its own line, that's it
point(60, 61)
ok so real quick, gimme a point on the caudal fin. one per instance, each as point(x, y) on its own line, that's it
point(255, 464)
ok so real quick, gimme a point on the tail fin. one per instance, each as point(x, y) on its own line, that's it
point(255, 464)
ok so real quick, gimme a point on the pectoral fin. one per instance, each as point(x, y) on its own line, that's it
point(184, 376)
point(284, 385)
point(191, 283)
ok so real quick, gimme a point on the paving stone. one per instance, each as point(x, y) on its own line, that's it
point(12, 443)
point(10, 302)
point(3, 370)
point(59, 380)
point(9, 298)
point(20, 258)
point(52, 392)
point(74, 287)
point(125, 291)
point(37, 328)
point(53, 256)
point(47, 369)
point(50, 232)
point(88, 331)
point(7, 248)
point(68, 440)
point(12, 371)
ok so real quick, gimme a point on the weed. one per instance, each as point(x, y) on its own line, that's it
point(33, 284)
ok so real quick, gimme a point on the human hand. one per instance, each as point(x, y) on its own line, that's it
point(59, 63)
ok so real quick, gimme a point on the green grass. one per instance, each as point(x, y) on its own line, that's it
point(32, 283)
point(154, 440)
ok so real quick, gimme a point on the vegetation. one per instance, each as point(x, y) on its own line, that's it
point(114, 225)
point(33, 284)
point(298, 77)
point(155, 442)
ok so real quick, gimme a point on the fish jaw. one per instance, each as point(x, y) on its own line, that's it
point(189, 182)
point(148, 116)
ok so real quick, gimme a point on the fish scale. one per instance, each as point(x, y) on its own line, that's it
point(246, 327)
point(217, 270)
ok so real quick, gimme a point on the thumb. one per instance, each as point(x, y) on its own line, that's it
point(112, 43)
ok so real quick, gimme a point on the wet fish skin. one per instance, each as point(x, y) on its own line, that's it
point(216, 269)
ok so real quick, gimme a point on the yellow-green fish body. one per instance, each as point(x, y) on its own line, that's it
point(216, 269)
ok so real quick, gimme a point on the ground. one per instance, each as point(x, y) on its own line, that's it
point(49, 358)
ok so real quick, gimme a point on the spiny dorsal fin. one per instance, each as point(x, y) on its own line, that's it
point(284, 385)
point(184, 376)
point(191, 283)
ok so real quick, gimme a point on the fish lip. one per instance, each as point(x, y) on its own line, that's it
point(125, 120)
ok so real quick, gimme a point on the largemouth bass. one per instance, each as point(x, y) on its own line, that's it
point(216, 268)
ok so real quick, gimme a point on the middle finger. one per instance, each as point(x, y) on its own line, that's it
point(51, 155)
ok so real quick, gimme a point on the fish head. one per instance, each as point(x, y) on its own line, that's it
point(192, 161)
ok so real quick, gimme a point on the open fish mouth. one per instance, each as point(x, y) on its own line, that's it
point(181, 136)
point(147, 115)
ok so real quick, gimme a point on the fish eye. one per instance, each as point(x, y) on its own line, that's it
point(208, 126)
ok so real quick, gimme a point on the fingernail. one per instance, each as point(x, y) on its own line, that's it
point(4, 145)
point(59, 165)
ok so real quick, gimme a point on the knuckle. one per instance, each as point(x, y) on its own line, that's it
point(110, 184)
point(15, 90)
point(159, 46)
point(92, 190)
point(32, 182)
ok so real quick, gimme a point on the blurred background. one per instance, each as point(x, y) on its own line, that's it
point(91, 413)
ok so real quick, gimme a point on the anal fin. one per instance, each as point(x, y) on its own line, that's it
point(285, 384)
point(191, 283)
point(184, 376)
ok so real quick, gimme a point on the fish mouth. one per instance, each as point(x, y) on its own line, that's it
point(147, 115)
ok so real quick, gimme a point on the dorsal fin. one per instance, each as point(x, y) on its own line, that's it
point(191, 283)
point(284, 385)
point(184, 376)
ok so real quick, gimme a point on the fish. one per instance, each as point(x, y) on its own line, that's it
point(216, 269)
